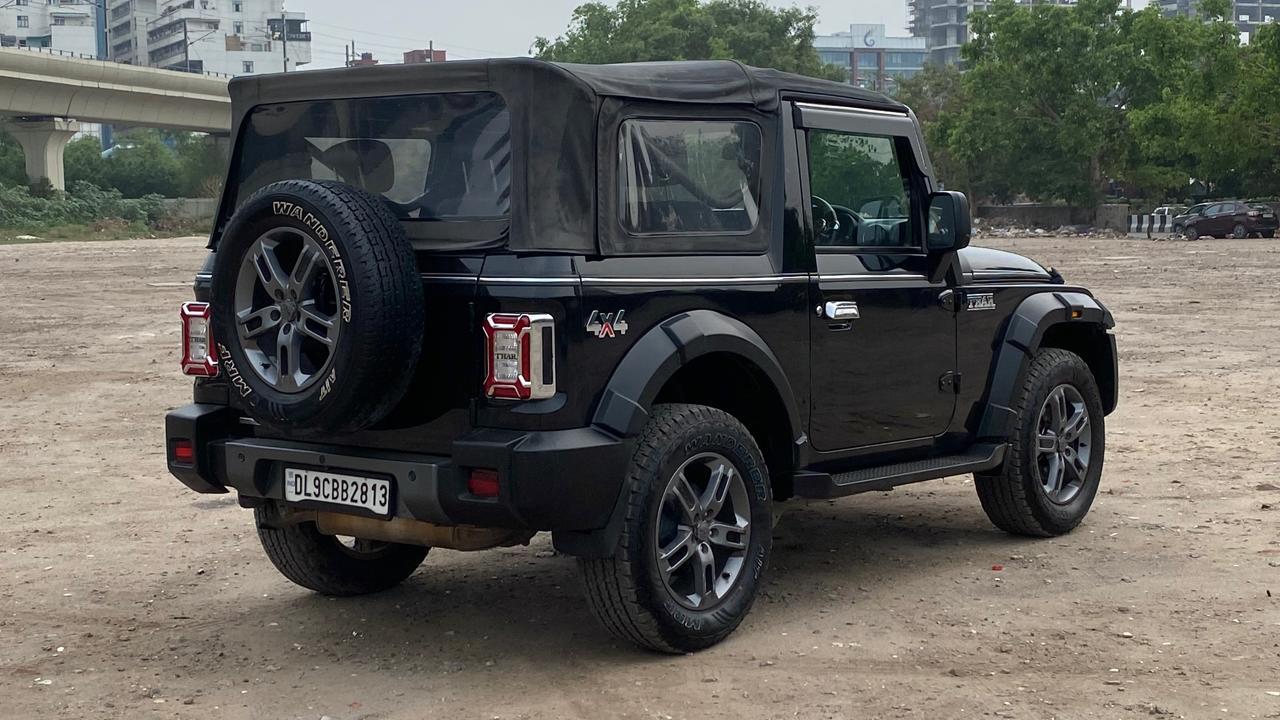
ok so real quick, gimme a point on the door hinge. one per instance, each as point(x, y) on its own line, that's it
point(950, 382)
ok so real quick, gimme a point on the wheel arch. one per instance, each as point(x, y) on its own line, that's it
point(708, 358)
point(1073, 321)
point(666, 363)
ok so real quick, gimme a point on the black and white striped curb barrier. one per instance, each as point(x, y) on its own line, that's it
point(1149, 225)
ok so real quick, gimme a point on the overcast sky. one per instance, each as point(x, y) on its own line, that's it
point(488, 28)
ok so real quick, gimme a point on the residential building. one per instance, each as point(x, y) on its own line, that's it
point(429, 55)
point(66, 25)
point(1248, 14)
point(871, 57)
point(366, 59)
point(232, 37)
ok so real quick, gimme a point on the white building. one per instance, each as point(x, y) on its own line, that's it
point(65, 25)
point(872, 58)
point(233, 37)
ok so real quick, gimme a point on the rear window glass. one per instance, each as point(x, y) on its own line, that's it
point(432, 157)
point(689, 176)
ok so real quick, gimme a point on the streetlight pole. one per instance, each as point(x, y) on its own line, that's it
point(284, 36)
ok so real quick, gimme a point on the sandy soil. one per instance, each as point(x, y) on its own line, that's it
point(124, 595)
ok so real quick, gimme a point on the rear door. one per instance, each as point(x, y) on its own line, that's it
point(883, 344)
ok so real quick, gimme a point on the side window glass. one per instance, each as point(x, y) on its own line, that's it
point(860, 191)
point(689, 176)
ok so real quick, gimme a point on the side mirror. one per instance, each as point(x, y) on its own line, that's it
point(950, 225)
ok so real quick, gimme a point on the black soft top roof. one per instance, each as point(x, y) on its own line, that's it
point(554, 110)
point(697, 81)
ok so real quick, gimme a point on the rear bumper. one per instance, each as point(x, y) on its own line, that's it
point(552, 480)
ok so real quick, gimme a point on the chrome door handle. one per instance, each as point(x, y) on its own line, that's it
point(841, 311)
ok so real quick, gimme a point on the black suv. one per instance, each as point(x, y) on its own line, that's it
point(636, 306)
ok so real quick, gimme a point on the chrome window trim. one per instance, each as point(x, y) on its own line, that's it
point(877, 277)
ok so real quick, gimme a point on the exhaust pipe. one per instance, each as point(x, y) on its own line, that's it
point(417, 532)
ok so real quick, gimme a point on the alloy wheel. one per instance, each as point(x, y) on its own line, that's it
point(287, 310)
point(703, 531)
point(1063, 440)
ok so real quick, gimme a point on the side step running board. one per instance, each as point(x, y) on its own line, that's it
point(821, 485)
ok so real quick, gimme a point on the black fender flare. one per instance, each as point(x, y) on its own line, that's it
point(654, 359)
point(1023, 334)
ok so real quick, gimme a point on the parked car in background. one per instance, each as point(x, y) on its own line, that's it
point(1170, 210)
point(1227, 218)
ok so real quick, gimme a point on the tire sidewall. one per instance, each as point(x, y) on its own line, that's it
point(1070, 371)
point(683, 627)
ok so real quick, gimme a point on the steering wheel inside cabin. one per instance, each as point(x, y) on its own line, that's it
point(825, 221)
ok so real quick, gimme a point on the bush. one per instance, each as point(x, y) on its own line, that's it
point(83, 204)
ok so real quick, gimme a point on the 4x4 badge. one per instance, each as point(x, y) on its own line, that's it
point(607, 325)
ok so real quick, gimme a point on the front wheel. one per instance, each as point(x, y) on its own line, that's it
point(1191, 233)
point(333, 566)
point(696, 536)
point(1053, 466)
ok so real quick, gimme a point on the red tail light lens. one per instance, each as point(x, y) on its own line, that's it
point(197, 341)
point(520, 362)
point(483, 483)
point(184, 452)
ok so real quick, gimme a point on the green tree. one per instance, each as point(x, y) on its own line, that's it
point(142, 164)
point(1181, 89)
point(1257, 112)
point(83, 162)
point(1042, 113)
point(13, 168)
point(937, 95)
point(642, 30)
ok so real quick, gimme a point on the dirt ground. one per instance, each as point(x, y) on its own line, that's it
point(122, 595)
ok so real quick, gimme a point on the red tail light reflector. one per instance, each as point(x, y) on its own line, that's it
point(184, 452)
point(520, 361)
point(483, 483)
point(198, 356)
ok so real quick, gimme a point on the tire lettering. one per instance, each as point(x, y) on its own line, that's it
point(233, 373)
point(329, 383)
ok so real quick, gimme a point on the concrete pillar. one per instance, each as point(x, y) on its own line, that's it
point(44, 143)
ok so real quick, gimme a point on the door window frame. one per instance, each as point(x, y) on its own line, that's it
point(898, 126)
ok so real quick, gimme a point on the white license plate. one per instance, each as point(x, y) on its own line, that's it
point(372, 494)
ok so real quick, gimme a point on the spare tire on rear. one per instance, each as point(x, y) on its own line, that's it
point(317, 307)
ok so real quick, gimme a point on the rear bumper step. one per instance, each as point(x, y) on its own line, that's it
point(887, 477)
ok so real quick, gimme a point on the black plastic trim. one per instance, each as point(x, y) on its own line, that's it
point(1025, 330)
point(654, 359)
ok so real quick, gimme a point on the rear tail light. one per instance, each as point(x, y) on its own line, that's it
point(483, 483)
point(520, 357)
point(1255, 213)
point(197, 341)
point(184, 453)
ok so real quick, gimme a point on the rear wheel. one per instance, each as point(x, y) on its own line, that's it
point(696, 537)
point(335, 566)
point(1239, 232)
point(1053, 466)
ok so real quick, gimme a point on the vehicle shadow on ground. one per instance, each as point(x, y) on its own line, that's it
point(525, 605)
